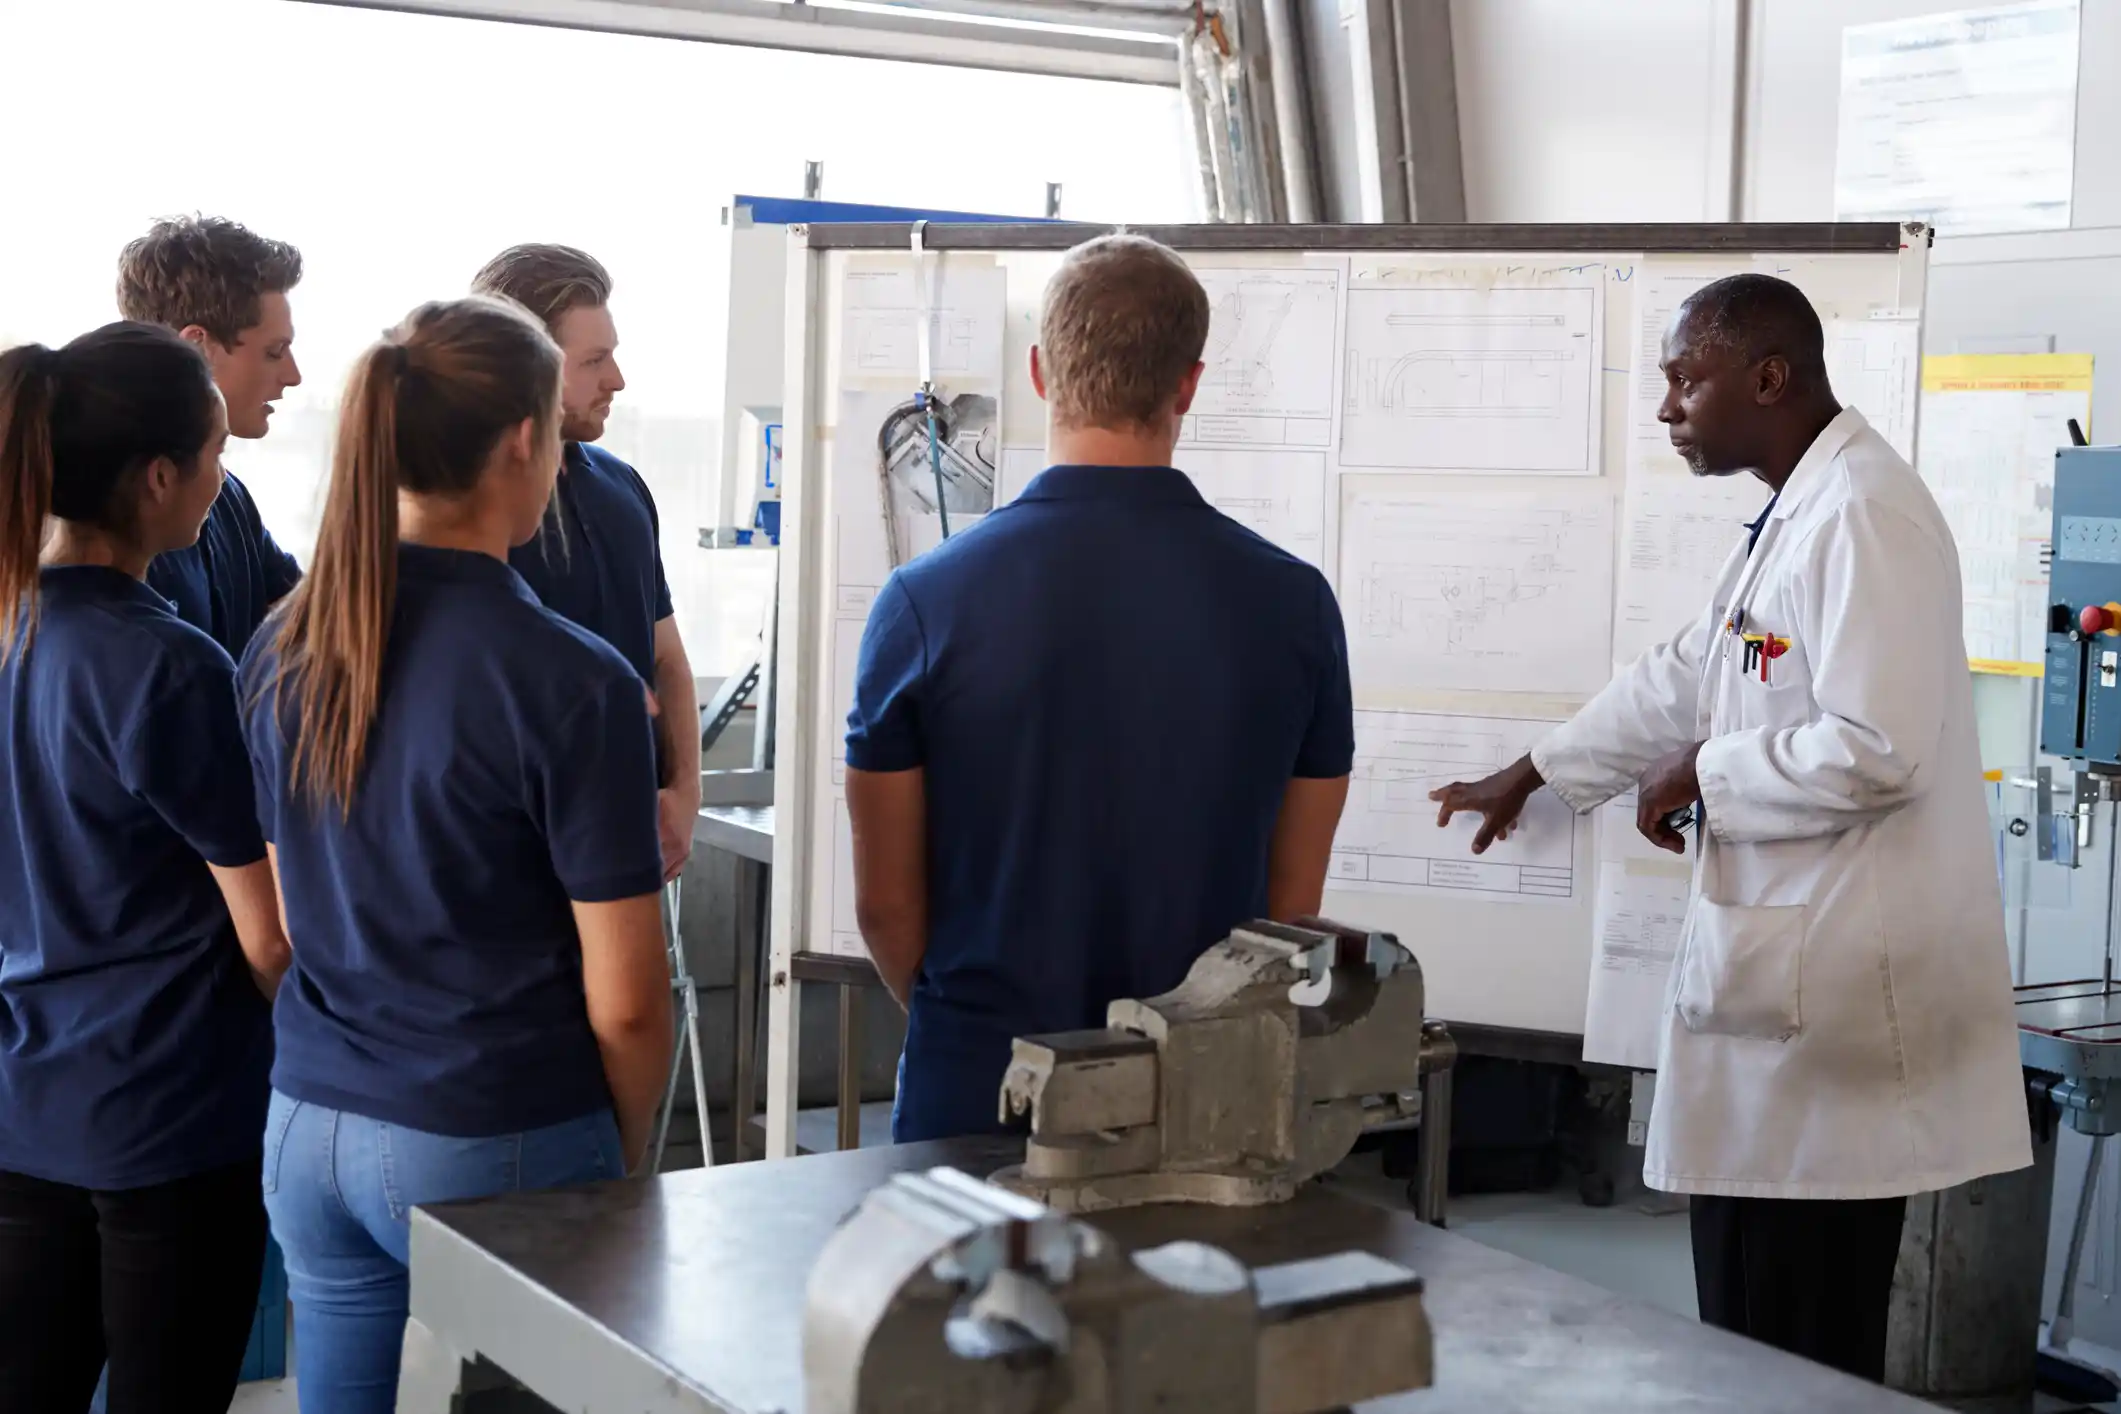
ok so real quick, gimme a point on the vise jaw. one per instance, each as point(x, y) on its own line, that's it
point(1258, 1072)
point(944, 1295)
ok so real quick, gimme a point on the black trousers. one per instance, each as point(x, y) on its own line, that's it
point(161, 1282)
point(1810, 1277)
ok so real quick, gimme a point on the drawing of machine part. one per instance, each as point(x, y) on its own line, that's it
point(964, 458)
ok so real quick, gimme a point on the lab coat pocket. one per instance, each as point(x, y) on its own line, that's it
point(1742, 972)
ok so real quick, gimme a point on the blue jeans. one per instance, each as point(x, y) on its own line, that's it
point(339, 1187)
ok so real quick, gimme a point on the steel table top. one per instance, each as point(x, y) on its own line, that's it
point(744, 830)
point(686, 1294)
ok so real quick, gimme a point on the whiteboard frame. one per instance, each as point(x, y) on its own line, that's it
point(807, 395)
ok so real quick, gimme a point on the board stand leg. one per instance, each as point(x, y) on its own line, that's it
point(850, 1088)
point(686, 996)
point(750, 1006)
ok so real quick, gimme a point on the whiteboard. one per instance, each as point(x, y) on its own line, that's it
point(1509, 948)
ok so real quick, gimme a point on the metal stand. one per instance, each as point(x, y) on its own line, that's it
point(2063, 1326)
point(1430, 1191)
point(687, 995)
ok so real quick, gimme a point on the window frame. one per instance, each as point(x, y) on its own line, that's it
point(1064, 42)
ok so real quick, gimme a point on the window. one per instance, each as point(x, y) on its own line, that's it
point(400, 151)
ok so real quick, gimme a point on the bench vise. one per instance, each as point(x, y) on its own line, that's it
point(945, 1295)
point(1258, 1072)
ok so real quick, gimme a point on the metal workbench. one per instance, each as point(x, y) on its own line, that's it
point(686, 1294)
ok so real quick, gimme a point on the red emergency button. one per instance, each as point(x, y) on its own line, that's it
point(2095, 618)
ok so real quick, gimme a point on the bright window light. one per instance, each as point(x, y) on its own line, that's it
point(400, 151)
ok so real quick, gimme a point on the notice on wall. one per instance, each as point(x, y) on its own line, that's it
point(1991, 426)
point(1967, 120)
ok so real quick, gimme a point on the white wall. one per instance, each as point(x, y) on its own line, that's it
point(1610, 111)
point(1796, 86)
point(1620, 110)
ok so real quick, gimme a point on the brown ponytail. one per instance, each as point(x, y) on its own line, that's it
point(422, 414)
point(338, 638)
point(25, 484)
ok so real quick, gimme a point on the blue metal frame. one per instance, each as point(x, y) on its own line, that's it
point(794, 211)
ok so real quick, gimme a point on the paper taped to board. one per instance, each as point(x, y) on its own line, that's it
point(1494, 372)
point(880, 328)
point(1389, 841)
point(1271, 346)
point(1494, 591)
point(1680, 533)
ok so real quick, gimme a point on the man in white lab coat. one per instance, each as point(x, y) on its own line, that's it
point(1838, 1031)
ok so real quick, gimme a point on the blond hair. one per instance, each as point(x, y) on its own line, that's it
point(1125, 321)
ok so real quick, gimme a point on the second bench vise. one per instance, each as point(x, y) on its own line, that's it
point(1258, 1072)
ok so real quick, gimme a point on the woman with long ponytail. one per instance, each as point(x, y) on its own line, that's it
point(459, 788)
point(139, 937)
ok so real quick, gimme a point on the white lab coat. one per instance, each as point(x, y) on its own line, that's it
point(1838, 1022)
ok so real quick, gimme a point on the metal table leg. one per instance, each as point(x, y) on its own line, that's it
point(1431, 1188)
point(850, 1114)
point(750, 965)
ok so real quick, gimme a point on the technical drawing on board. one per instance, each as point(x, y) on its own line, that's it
point(1679, 532)
point(1479, 591)
point(1389, 841)
point(1875, 366)
point(880, 332)
point(1280, 494)
point(1270, 343)
point(1501, 379)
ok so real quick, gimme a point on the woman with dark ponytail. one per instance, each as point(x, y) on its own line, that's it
point(459, 789)
point(139, 937)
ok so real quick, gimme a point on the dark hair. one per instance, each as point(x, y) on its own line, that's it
point(1124, 321)
point(1755, 317)
point(205, 271)
point(422, 413)
point(77, 426)
point(547, 280)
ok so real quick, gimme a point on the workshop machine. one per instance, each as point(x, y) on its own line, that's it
point(1283, 1046)
point(945, 1295)
point(2071, 1032)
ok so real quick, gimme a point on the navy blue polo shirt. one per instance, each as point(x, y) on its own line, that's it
point(437, 980)
point(1109, 685)
point(598, 558)
point(133, 1042)
point(228, 581)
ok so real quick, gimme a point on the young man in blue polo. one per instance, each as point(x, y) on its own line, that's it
point(224, 289)
point(599, 560)
point(1095, 731)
